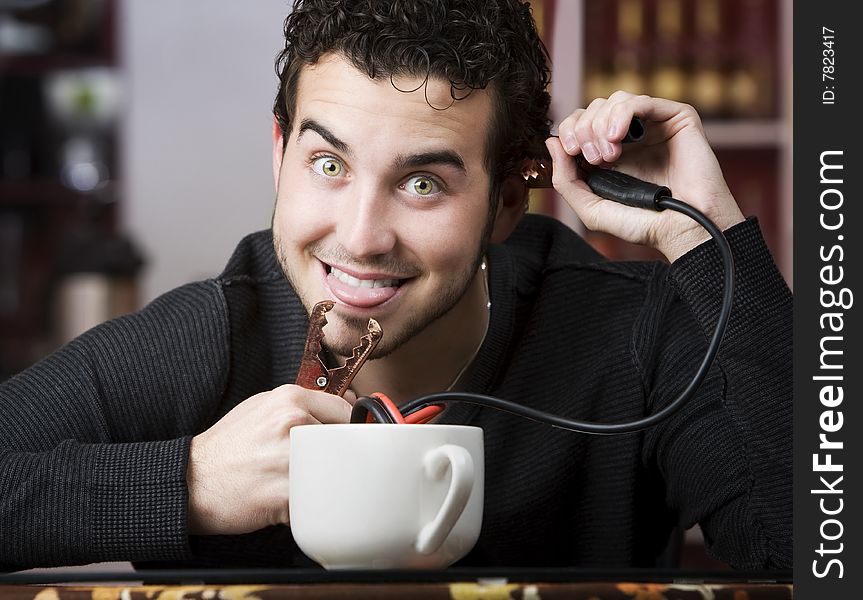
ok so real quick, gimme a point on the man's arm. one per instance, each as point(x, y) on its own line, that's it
point(727, 455)
point(94, 439)
point(97, 455)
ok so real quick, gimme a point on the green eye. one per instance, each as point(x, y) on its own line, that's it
point(421, 185)
point(328, 166)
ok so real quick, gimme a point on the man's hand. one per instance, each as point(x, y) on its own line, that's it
point(674, 153)
point(238, 468)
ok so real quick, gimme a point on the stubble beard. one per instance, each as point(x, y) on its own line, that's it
point(354, 328)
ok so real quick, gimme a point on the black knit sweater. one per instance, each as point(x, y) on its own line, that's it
point(94, 439)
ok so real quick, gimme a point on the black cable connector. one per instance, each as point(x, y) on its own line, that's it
point(626, 189)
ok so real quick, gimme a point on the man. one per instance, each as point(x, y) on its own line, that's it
point(399, 133)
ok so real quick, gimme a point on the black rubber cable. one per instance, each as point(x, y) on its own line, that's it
point(658, 203)
point(366, 405)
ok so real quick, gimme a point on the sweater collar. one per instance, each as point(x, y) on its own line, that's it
point(488, 365)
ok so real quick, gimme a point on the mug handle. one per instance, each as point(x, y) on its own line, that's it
point(432, 535)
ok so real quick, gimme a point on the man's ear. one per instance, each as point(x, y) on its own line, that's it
point(278, 151)
point(510, 208)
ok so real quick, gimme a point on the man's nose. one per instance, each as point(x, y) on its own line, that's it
point(365, 226)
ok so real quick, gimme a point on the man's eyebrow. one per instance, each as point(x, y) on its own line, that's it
point(329, 136)
point(438, 157)
point(402, 161)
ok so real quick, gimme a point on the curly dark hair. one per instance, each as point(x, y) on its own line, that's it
point(473, 44)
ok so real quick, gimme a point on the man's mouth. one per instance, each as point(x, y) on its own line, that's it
point(361, 290)
point(363, 283)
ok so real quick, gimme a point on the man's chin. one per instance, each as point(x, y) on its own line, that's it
point(343, 334)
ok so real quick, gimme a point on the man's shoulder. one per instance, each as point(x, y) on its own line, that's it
point(545, 238)
point(254, 258)
point(542, 244)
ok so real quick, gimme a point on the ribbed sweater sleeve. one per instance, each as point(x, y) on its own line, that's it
point(727, 455)
point(94, 439)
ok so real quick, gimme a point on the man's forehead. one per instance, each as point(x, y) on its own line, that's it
point(333, 83)
point(439, 92)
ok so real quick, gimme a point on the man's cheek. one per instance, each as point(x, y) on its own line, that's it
point(301, 225)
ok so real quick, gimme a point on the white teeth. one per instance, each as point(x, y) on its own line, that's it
point(362, 283)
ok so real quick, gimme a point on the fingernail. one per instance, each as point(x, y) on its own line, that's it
point(590, 152)
point(606, 148)
point(569, 142)
point(613, 129)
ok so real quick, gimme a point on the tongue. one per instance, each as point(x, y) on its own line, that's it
point(361, 297)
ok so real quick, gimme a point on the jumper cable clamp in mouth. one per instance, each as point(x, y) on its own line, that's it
point(314, 373)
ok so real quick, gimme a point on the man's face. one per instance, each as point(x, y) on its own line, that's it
point(382, 200)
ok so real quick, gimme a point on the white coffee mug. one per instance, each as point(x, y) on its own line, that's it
point(377, 496)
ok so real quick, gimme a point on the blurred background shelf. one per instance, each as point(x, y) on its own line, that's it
point(40, 65)
point(126, 121)
point(59, 156)
point(764, 133)
point(48, 193)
